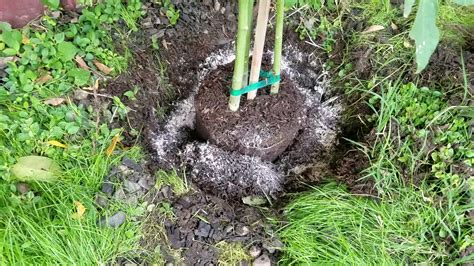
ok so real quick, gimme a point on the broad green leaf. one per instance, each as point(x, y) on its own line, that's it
point(81, 76)
point(36, 168)
point(12, 39)
point(464, 2)
point(5, 26)
point(67, 51)
point(425, 32)
point(407, 7)
point(10, 52)
point(53, 4)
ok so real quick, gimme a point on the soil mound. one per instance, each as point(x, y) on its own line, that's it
point(263, 127)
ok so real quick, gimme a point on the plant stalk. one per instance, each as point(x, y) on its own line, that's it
point(245, 82)
point(280, 9)
point(260, 32)
point(240, 53)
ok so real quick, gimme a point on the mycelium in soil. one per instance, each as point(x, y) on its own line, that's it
point(233, 170)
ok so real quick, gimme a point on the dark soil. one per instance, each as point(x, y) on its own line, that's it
point(263, 127)
point(200, 222)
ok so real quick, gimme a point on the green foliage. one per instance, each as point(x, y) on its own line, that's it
point(39, 227)
point(424, 31)
point(171, 12)
point(53, 4)
point(328, 225)
point(420, 138)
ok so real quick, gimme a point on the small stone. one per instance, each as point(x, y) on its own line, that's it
point(204, 229)
point(107, 187)
point(255, 251)
point(120, 194)
point(101, 201)
point(229, 229)
point(143, 182)
point(115, 220)
point(263, 260)
point(132, 164)
point(131, 187)
point(22, 187)
point(242, 230)
point(273, 246)
point(150, 207)
point(217, 5)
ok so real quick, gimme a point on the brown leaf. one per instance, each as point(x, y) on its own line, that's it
point(43, 79)
point(55, 101)
point(56, 143)
point(373, 28)
point(25, 40)
point(93, 88)
point(81, 63)
point(80, 210)
point(394, 26)
point(105, 69)
point(112, 145)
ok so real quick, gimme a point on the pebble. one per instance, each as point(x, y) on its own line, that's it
point(107, 187)
point(120, 194)
point(143, 182)
point(204, 229)
point(217, 5)
point(115, 220)
point(255, 251)
point(131, 164)
point(22, 187)
point(131, 187)
point(101, 201)
point(263, 260)
point(273, 246)
point(242, 230)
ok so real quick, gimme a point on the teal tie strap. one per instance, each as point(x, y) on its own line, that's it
point(269, 79)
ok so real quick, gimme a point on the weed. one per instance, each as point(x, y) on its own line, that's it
point(231, 253)
point(178, 185)
point(329, 225)
point(48, 62)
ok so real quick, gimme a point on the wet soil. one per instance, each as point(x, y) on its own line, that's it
point(263, 127)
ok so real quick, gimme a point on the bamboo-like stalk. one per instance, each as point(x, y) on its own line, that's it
point(240, 53)
point(280, 9)
point(259, 43)
point(245, 81)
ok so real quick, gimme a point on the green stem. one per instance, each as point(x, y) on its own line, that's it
point(247, 47)
point(240, 53)
point(278, 43)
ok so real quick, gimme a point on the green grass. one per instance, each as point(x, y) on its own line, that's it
point(330, 226)
point(39, 227)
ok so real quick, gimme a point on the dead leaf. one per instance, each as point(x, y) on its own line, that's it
point(394, 26)
point(165, 44)
point(373, 28)
point(74, 20)
point(105, 69)
point(25, 40)
point(112, 145)
point(80, 210)
point(81, 63)
point(93, 88)
point(407, 44)
point(56, 143)
point(43, 79)
point(55, 101)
